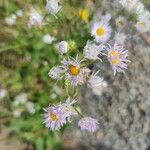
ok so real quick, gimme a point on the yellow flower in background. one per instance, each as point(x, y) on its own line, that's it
point(84, 14)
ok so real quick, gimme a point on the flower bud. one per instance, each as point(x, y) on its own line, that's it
point(63, 47)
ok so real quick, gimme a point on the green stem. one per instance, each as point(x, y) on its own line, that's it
point(81, 115)
point(8, 48)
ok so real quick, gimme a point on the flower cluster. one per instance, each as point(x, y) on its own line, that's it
point(76, 72)
point(143, 15)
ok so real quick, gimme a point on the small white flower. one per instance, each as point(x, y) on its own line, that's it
point(92, 51)
point(20, 99)
point(143, 24)
point(16, 113)
point(35, 19)
point(101, 31)
point(97, 84)
point(63, 47)
point(132, 5)
point(30, 107)
point(52, 6)
point(3, 93)
point(55, 73)
point(19, 13)
point(11, 20)
point(48, 39)
point(120, 38)
point(120, 22)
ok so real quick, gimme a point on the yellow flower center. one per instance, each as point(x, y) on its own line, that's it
point(53, 117)
point(73, 70)
point(84, 15)
point(142, 24)
point(100, 31)
point(116, 56)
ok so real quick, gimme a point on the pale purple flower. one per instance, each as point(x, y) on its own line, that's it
point(89, 124)
point(117, 56)
point(55, 73)
point(92, 51)
point(74, 72)
point(120, 38)
point(97, 84)
point(35, 19)
point(58, 115)
point(52, 6)
point(63, 47)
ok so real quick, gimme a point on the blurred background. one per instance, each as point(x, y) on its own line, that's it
point(26, 56)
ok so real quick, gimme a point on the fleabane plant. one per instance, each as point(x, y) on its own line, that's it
point(75, 71)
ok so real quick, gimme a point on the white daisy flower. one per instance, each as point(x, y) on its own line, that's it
point(143, 24)
point(97, 84)
point(35, 19)
point(92, 51)
point(101, 31)
point(120, 38)
point(11, 20)
point(48, 39)
point(52, 6)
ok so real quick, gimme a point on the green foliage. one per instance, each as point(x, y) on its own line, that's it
point(25, 61)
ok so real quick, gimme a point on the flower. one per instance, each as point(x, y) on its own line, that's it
point(21, 98)
point(11, 20)
point(92, 51)
point(48, 39)
point(120, 38)
point(30, 107)
point(132, 5)
point(55, 73)
point(3, 93)
point(35, 19)
point(84, 14)
point(56, 116)
point(120, 22)
point(117, 56)
point(89, 124)
point(52, 6)
point(97, 84)
point(74, 72)
point(19, 13)
point(16, 113)
point(143, 24)
point(101, 31)
point(63, 47)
